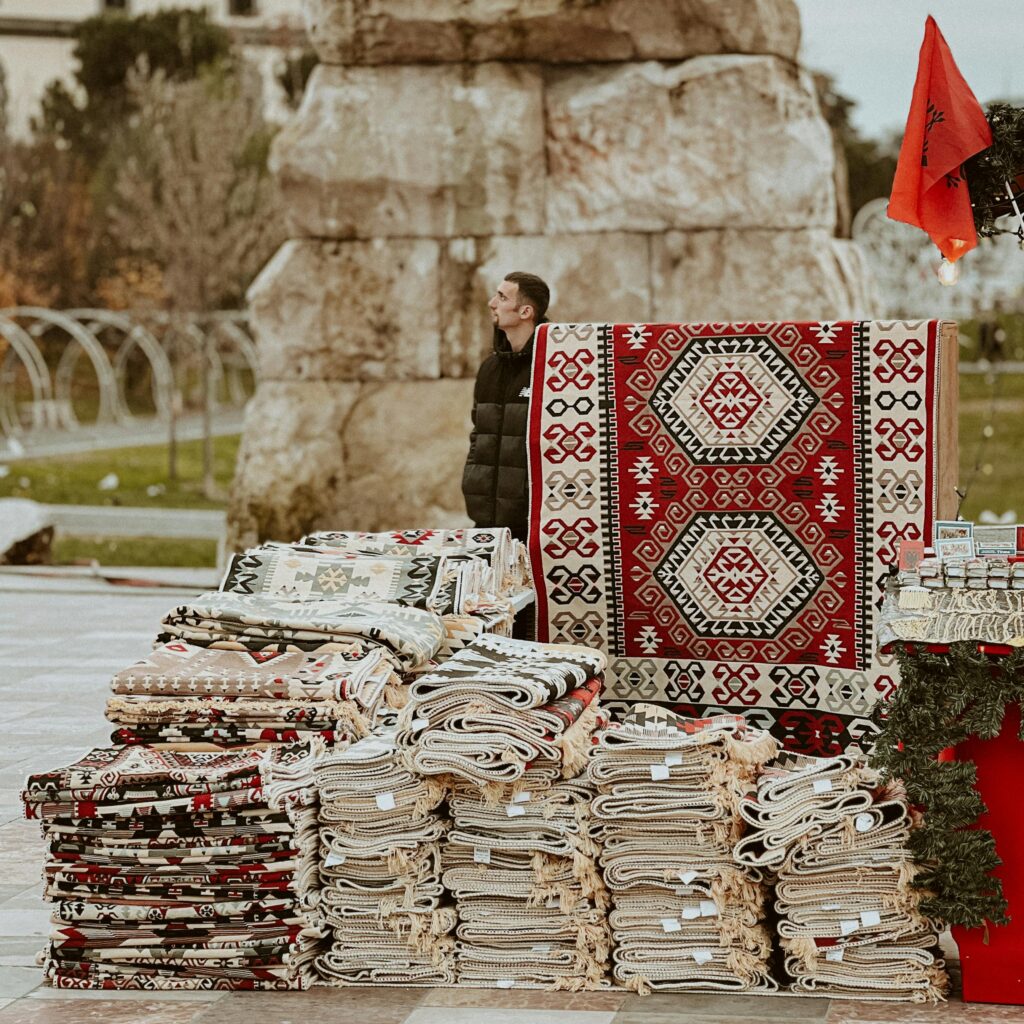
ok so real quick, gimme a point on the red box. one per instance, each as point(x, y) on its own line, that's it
point(994, 973)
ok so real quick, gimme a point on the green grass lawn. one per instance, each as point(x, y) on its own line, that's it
point(998, 485)
point(73, 479)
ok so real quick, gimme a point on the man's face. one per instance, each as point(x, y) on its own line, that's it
point(505, 308)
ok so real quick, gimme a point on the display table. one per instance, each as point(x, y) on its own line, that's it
point(934, 637)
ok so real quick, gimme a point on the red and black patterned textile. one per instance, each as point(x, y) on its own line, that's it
point(179, 869)
point(715, 505)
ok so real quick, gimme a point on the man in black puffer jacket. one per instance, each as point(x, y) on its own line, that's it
point(494, 482)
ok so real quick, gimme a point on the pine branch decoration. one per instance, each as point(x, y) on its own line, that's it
point(942, 700)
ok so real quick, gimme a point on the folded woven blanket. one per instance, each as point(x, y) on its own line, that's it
point(181, 869)
point(684, 917)
point(253, 621)
point(456, 584)
point(505, 555)
point(849, 918)
point(514, 674)
point(357, 672)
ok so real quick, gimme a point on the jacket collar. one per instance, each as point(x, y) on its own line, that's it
point(504, 349)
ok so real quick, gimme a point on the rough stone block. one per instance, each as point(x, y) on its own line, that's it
point(327, 310)
point(592, 278)
point(759, 275)
point(415, 151)
point(408, 31)
point(714, 142)
point(334, 455)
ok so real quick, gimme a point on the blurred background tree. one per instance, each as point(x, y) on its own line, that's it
point(179, 43)
point(144, 182)
point(870, 164)
point(190, 188)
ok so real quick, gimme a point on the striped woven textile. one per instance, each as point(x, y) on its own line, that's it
point(685, 916)
point(380, 853)
point(180, 870)
point(849, 919)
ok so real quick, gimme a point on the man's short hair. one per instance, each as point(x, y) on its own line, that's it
point(532, 292)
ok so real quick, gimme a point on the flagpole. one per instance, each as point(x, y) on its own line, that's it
point(1016, 210)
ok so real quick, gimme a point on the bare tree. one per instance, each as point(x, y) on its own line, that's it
point(192, 192)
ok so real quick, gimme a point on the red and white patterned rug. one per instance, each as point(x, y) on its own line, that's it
point(715, 506)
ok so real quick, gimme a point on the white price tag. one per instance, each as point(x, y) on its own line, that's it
point(673, 757)
point(504, 983)
point(822, 785)
point(334, 859)
point(419, 723)
point(835, 954)
point(848, 927)
point(659, 772)
point(687, 876)
point(670, 924)
point(863, 822)
point(689, 913)
point(703, 956)
point(385, 801)
point(870, 918)
point(522, 798)
point(708, 908)
point(831, 906)
point(482, 856)
point(543, 948)
point(515, 810)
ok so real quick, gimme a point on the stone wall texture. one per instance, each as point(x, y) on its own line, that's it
point(664, 160)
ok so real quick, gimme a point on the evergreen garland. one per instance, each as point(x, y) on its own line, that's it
point(942, 700)
point(988, 172)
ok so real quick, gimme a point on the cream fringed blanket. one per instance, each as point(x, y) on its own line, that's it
point(849, 919)
point(379, 841)
point(509, 724)
point(685, 916)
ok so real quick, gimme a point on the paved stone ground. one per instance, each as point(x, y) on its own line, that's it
point(60, 639)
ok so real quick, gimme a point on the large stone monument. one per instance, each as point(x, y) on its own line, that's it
point(663, 160)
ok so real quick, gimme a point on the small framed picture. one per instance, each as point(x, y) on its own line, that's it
point(996, 539)
point(954, 539)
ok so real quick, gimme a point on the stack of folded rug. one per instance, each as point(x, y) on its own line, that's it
point(685, 916)
point(509, 724)
point(181, 870)
point(235, 669)
point(381, 866)
point(501, 705)
point(182, 693)
point(849, 919)
point(531, 903)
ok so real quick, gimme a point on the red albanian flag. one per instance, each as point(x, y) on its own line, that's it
point(946, 125)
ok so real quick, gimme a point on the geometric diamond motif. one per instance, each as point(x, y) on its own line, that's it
point(732, 400)
point(737, 574)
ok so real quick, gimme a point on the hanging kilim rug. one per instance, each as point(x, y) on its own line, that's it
point(715, 506)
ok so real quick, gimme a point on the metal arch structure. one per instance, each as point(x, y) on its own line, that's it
point(237, 353)
point(209, 359)
point(36, 321)
point(133, 335)
point(21, 347)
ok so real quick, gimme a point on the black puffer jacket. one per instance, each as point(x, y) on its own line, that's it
point(494, 481)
